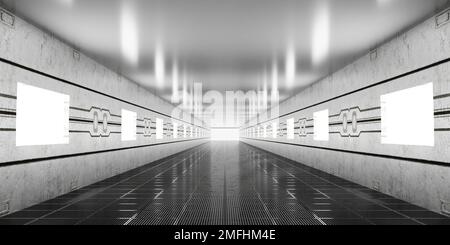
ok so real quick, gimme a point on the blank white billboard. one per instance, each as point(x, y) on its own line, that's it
point(42, 116)
point(175, 130)
point(274, 130)
point(128, 125)
point(407, 116)
point(290, 128)
point(321, 129)
point(159, 128)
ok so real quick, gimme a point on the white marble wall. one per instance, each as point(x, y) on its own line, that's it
point(417, 182)
point(32, 182)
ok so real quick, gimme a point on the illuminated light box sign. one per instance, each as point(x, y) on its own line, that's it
point(175, 130)
point(42, 116)
point(274, 130)
point(159, 128)
point(128, 125)
point(290, 128)
point(321, 129)
point(407, 116)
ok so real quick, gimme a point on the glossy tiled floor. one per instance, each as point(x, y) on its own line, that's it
point(224, 183)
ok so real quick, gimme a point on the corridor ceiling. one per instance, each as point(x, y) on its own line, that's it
point(225, 45)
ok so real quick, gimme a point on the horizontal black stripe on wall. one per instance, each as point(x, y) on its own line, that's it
point(9, 62)
point(8, 129)
point(442, 112)
point(40, 159)
point(441, 96)
point(364, 88)
point(442, 129)
point(8, 96)
point(8, 112)
point(87, 120)
point(425, 161)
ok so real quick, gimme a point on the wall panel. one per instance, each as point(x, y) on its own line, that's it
point(418, 174)
point(32, 174)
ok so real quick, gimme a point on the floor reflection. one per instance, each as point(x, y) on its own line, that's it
point(224, 183)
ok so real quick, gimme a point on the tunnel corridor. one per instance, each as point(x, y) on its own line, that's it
point(203, 121)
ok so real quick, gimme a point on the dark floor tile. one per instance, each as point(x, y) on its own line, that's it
point(43, 207)
point(55, 222)
point(99, 200)
point(107, 195)
point(329, 208)
point(69, 214)
point(404, 206)
point(382, 214)
point(336, 214)
point(435, 221)
point(394, 222)
point(61, 201)
point(342, 196)
point(392, 201)
point(32, 214)
point(147, 195)
point(356, 201)
point(123, 207)
point(116, 191)
point(345, 222)
point(113, 214)
point(111, 221)
point(423, 214)
point(90, 201)
point(373, 207)
point(84, 206)
point(7, 221)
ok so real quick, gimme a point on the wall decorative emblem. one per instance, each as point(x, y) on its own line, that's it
point(302, 127)
point(269, 130)
point(167, 129)
point(349, 118)
point(100, 118)
point(180, 131)
point(148, 127)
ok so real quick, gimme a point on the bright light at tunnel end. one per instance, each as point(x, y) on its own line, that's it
point(224, 134)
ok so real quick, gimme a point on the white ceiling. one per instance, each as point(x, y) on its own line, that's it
point(227, 44)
